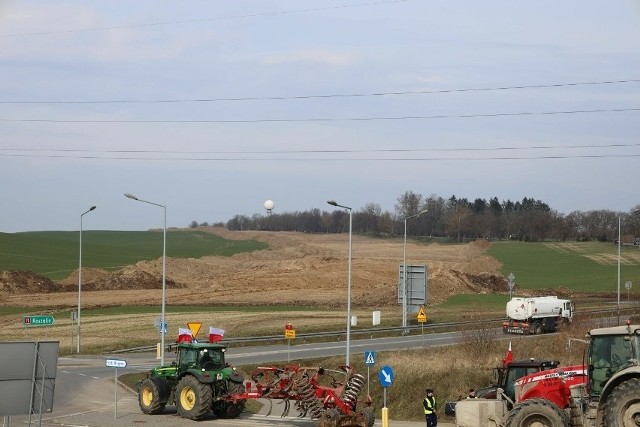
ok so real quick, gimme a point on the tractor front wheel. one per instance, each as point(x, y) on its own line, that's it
point(622, 407)
point(193, 398)
point(152, 396)
point(536, 413)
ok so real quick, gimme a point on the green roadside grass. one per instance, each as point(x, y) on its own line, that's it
point(55, 254)
point(579, 266)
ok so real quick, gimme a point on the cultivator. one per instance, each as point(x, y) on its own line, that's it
point(316, 393)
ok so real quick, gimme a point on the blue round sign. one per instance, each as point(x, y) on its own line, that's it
point(386, 376)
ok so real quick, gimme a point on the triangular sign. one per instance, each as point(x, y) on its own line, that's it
point(421, 312)
point(195, 327)
point(370, 359)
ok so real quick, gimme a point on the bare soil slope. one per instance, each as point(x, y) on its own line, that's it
point(299, 268)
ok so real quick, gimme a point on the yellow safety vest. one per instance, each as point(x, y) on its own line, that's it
point(430, 405)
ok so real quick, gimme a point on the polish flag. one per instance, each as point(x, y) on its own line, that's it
point(509, 357)
point(185, 335)
point(215, 334)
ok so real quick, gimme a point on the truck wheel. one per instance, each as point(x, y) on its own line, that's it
point(223, 409)
point(537, 329)
point(152, 396)
point(622, 407)
point(538, 413)
point(193, 398)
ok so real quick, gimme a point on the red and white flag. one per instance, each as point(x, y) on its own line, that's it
point(185, 335)
point(215, 334)
point(509, 357)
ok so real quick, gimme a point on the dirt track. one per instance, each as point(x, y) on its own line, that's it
point(299, 268)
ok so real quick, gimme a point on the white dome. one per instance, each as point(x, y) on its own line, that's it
point(268, 205)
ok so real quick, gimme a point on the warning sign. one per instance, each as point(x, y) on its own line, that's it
point(422, 316)
point(289, 333)
point(195, 327)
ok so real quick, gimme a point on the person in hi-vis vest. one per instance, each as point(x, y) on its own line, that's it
point(430, 408)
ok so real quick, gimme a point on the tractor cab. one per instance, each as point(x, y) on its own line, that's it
point(610, 351)
point(204, 356)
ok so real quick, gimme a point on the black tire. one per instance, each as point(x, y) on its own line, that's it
point(369, 416)
point(223, 409)
point(193, 398)
point(537, 328)
point(537, 412)
point(152, 396)
point(622, 407)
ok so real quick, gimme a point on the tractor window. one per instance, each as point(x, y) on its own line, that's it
point(187, 358)
point(210, 360)
point(513, 375)
point(607, 355)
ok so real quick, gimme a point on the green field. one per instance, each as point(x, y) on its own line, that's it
point(581, 266)
point(55, 254)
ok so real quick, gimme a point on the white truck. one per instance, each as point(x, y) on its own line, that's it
point(536, 315)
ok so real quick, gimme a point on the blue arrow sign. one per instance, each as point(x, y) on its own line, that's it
point(386, 376)
point(370, 358)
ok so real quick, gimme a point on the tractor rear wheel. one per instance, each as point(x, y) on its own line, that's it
point(152, 396)
point(622, 407)
point(193, 398)
point(536, 413)
point(223, 409)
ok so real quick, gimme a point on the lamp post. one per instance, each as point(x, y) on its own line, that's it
point(163, 322)
point(333, 203)
point(619, 222)
point(80, 277)
point(404, 270)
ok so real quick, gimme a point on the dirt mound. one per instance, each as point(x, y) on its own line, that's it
point(297, 269)
point(25, 282)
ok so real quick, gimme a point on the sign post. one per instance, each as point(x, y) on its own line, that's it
point(422, 319)
point(289, 334)
point(386, 377)
point(115, 363)
point(369, 360)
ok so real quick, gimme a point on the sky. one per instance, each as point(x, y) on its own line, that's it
point(210, 108)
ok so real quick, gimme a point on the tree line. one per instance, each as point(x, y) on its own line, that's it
point(457, 219)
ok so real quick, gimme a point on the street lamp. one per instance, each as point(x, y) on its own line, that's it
point(333, 203)
point(404, 270)
point(80, 276)
point(619, 222)
point(163, 323)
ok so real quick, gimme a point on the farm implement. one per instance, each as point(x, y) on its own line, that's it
point(316, 392)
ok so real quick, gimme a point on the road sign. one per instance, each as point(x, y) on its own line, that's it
point(38, 320)
point(422, 316)
point(386, 376)
point(115, 363)
point(369, 358)
point(289, 333)
point(194, 327)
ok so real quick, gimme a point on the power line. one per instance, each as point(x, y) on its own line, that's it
point(384, 150)
point(191, 21)
point(337, 95)
point(329, 119)
point(314, 159)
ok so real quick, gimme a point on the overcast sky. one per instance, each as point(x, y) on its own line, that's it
point(213, 107)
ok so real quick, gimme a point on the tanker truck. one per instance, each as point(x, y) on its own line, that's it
point(536, 315)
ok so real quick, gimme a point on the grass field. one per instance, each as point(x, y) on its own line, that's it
point(582, 266)
point(54, 254)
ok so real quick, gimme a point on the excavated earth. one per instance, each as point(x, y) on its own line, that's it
point(297, 269)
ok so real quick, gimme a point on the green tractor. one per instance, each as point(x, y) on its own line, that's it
point(198, 383)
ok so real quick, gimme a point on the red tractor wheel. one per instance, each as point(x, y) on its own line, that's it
point(538, 413)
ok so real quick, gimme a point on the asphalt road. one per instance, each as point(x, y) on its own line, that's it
point(86, 393)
